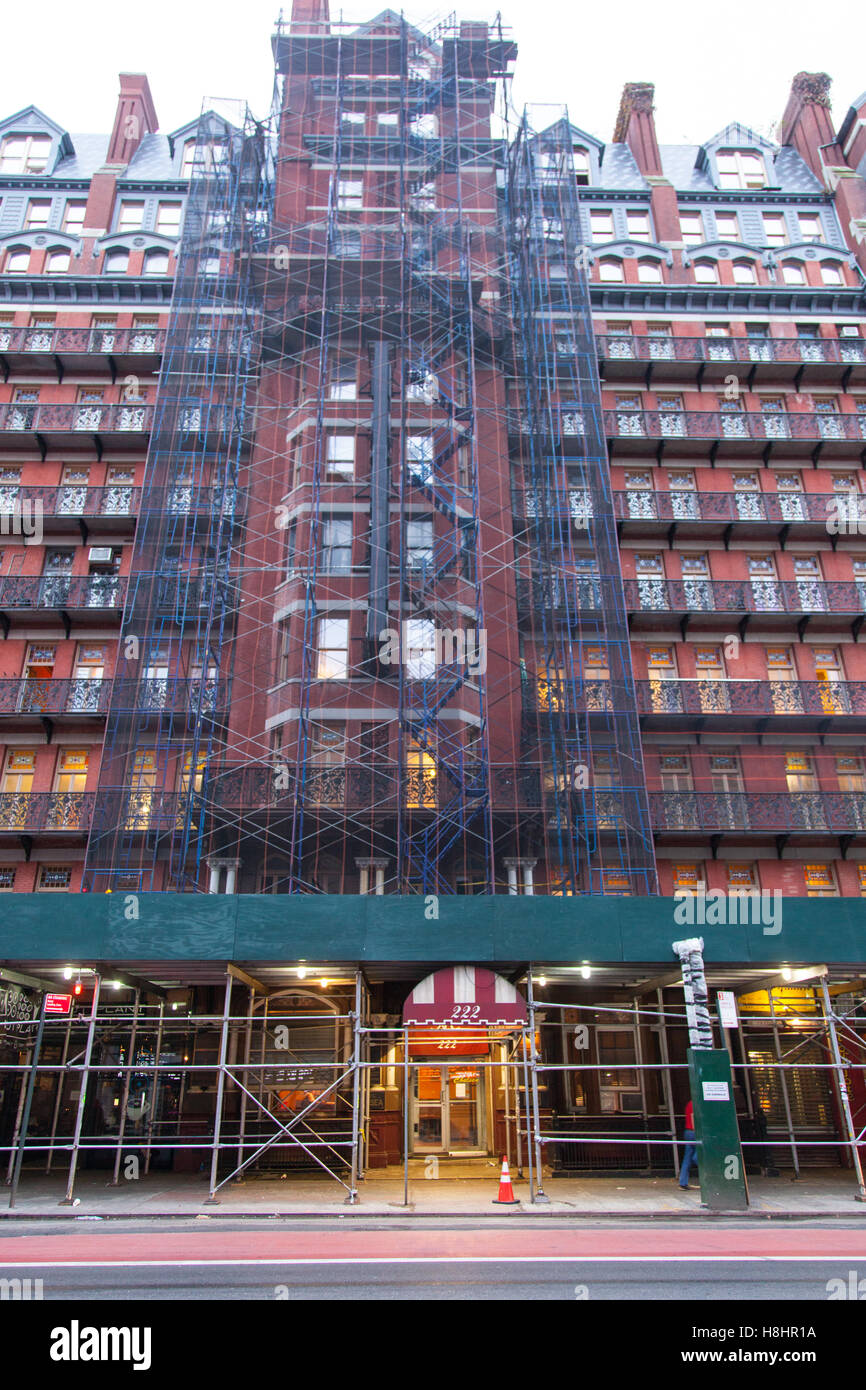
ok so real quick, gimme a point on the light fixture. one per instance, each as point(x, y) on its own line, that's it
point(786, 973)
point(585, 971)
point(324, 983)
point(542, 980)
point(67, 974)
point(302, 972)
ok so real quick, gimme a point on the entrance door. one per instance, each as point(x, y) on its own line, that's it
point(448, 1112)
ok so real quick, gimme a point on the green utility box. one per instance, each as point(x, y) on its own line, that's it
point(720, 1158)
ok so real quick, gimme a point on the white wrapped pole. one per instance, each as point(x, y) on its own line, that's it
point(691, 957)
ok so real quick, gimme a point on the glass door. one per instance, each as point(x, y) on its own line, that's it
point(448, 1116)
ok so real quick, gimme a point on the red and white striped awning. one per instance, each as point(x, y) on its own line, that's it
point(464, 995)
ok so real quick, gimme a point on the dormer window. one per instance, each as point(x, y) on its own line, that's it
point(188, 159)
point(580, 157)
point(24, 154)
point(740, 169)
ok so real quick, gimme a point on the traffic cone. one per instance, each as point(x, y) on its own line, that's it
point(506, 1196)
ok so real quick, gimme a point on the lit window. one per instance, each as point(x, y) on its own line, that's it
point(744, 273)
point(38, 213)
point(706, 273)
point(168, 217)
point(742, 878)
point(73, 217)
point(831, 274)
point(740, 169)
point(794, 273)
point(819, 880)
point(57, 263)
point(775, 231)
point(649, 272)
point(24, 154)
point(610, 272)
point(156, 263)
point(350, 194)
point(333, 649)
point(17, 262)
point(341, 456)
point(116, 262)
point(810, 226)
point(615, 883)
point(638, 224)
point(692, 228)
point(130, 217)
point(727, 226)
point(601, 225)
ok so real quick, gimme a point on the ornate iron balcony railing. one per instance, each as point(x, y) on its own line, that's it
point(824, 812)
point(796, 596)
point(46, 810)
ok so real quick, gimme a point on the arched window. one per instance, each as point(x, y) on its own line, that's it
point(706, 273)
point(649, 272)
point(831, 274)
point(156, 263)
point(744, 273)
point(610, 272)
point(57, 263)
point(17, 261)
point(116, 262)
point(794, 273)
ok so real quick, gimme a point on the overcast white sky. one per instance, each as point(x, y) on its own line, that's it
point(710, 62)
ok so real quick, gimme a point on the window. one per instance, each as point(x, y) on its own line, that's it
point(350, 194)
point(19, 773)
point(810, 226)
point(742, 879)
point(727, 226)
point(706, 273)
point(17, 262)
point(53, 879)
point(57, 263)
point(333, 649)
point(71, 774)
point(688, 879)
point(387, 123)
point(352, 122)
point(168, 218)
point(116, 262)
point(794, 273)
point(744, 273)
point(638, 224)
point(342, 383)
point(419, 542)
point(340, 461)
point(188, 159)
point(819, 881)
point(649, 272)
point(740, 169)
point(601, 225)
point(420, 653)
point(38, 213)
point(832, 274)
point(337, 545)
point(24, 154)
point(692, 228)
point(775, 230)
point(420, 777)
point(610, 272)
point(580, 159)
point(130, 217)
point(73, 217)
point(156, 263)
point(7, 880)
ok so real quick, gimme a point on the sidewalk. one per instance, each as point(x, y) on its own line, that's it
point(461, 1190)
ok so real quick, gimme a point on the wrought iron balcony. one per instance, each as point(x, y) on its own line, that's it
point(560, 593)
point(29, 811)
point(737, 427)
point(80, 695)
point(66, 592)
point(774, 812)
point(81, 342)
point(631, 354)
point(731, 508)
point(803, 701)
point(742, 596)
point(20, 417)
point(70, 499)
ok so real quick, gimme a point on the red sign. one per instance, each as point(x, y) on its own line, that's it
point(57, 1004)
point(449, 1042)
point(464, 996)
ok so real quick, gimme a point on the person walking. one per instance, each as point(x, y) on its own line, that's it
point(690, 1157)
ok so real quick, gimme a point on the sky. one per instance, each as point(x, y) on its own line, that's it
point(711, 63)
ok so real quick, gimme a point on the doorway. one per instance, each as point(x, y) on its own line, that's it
point(448, 1109)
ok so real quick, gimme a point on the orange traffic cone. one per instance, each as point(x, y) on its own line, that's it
point(506, 1196)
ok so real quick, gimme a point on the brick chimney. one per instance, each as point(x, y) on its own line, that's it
point(635, 126)
point(310, 16)
point(134, 118)
point(807, 125)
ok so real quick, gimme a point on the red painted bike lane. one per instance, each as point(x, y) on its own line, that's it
point(771, 1242)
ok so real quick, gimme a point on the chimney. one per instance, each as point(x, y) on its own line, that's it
point(636, 128)
point(807, 125)
point(311, 17)
point(134, 118)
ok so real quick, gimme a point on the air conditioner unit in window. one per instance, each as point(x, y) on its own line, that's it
point(100, 555)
